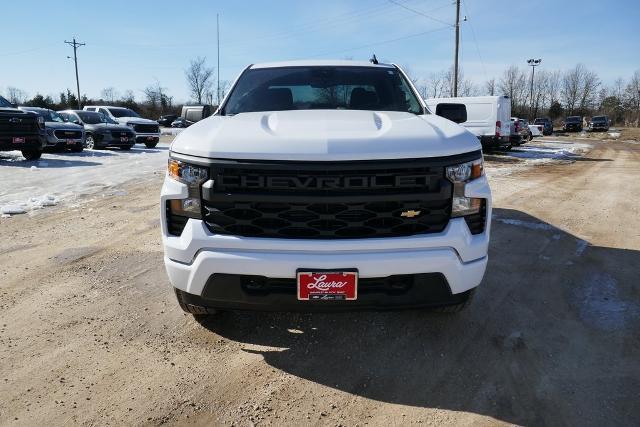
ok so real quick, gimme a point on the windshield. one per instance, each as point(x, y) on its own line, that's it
point(599, 119)
point(4, 103)
point(540, 121)
point(573, 119)
point(123, 112)
point(322, 88)
point(91, 118)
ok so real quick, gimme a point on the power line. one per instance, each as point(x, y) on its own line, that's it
point(420, 13)
point(475, 40)
point(380, 42)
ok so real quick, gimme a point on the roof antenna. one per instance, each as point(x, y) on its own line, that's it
point(373, 59)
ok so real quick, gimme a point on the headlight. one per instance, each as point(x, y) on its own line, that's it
point(460, 175)
point(130, 125)
point(193, 176)
point(40, 122)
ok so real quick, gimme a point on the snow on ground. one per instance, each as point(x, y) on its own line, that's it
point(28, 186)
point(536, 152)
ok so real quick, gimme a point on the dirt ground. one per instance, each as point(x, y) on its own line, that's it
point(90, 332)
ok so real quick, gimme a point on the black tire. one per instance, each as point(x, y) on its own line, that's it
point(31, 154)
point(150, 144)
point(456, 308)
point(90, 143)
point(530, 136)
point(125, 148)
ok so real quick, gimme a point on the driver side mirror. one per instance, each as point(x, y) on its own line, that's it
point(457, 113)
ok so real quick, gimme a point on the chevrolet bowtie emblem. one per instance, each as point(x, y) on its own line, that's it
point(410, 214)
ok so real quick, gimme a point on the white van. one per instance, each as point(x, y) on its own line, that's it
point(488, 117)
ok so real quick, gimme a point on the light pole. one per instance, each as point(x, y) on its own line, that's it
point(533, 63)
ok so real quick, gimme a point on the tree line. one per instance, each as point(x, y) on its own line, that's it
point(154, 101)
point(556, 94)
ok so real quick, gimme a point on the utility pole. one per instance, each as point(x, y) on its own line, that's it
point(218, 39)
point(455, 64)
point(76, 45)
point(533, 63)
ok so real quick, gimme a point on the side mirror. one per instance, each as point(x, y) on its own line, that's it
point(457, 113)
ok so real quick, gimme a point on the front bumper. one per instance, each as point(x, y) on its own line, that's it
point(194, 257)
point(142, 138)
point(32, 142)
point(55, 142)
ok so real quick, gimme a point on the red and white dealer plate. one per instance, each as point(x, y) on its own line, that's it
point(327, 285)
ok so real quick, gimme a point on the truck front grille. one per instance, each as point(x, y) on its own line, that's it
point(323, 200)
point(22, 125)
point(121, 134)
point(142, 128)
point(67, 134)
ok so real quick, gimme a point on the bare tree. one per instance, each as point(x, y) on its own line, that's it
point(109, 94)
point(490, 86)
point(513, 84)
point(16, 96)
point(435, 86)
point(157, 98)
point(632, 98)
point(199, 78)
point(225, 85)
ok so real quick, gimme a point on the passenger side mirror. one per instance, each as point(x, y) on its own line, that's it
point(457, 113)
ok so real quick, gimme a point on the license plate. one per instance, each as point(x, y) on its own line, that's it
point(150, 138)
point(18, 140)
point(70, 142)
point(124, 139)
point(327, 285)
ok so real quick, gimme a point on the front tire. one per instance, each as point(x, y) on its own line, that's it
point(90, 143)
point(31, 154)
point(150, 144)
point(126, 148)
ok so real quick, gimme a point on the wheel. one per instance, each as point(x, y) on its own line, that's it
point(456, 308)
point(32, 154)
point(530, 136)
point(89, 142)
point(125, 148)
point(150, 144)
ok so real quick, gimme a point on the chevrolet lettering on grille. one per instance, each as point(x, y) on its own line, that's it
point(325, 182)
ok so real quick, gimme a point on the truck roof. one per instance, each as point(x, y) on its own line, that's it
point(320, 63)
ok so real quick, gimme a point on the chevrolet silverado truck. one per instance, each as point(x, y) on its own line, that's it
point(21, 130)
point(324, 185)
point(147, 131)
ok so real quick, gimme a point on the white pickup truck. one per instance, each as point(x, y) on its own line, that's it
point(324, 185)
point(147, 131)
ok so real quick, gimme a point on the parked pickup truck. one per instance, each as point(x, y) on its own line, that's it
point(21, 130)
point(324, 185)
point(147, 131)
point(599, 123)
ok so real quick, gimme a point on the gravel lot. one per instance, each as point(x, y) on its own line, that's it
point(90, 332)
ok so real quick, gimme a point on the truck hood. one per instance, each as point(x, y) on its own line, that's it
point(324, 135)
point(62, 126)
point(137, 120)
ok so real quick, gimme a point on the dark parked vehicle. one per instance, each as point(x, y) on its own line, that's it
point(101, 131)
point(520, 132)
point(599, 123)
point(167, 119)
point(21, 130)
point(59, 134)
point(195, 113)
point(572, 124)
point(546, 123)
point(180, 123)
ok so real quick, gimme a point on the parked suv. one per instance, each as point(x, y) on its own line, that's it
point(572, 124)
point(59, 134)
point(546, 123)
point(147, 131)
point(599, 123)
point(21, 130)
point(101, 131)
point(324, 185)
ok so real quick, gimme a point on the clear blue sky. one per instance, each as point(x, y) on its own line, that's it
point(131, 43)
